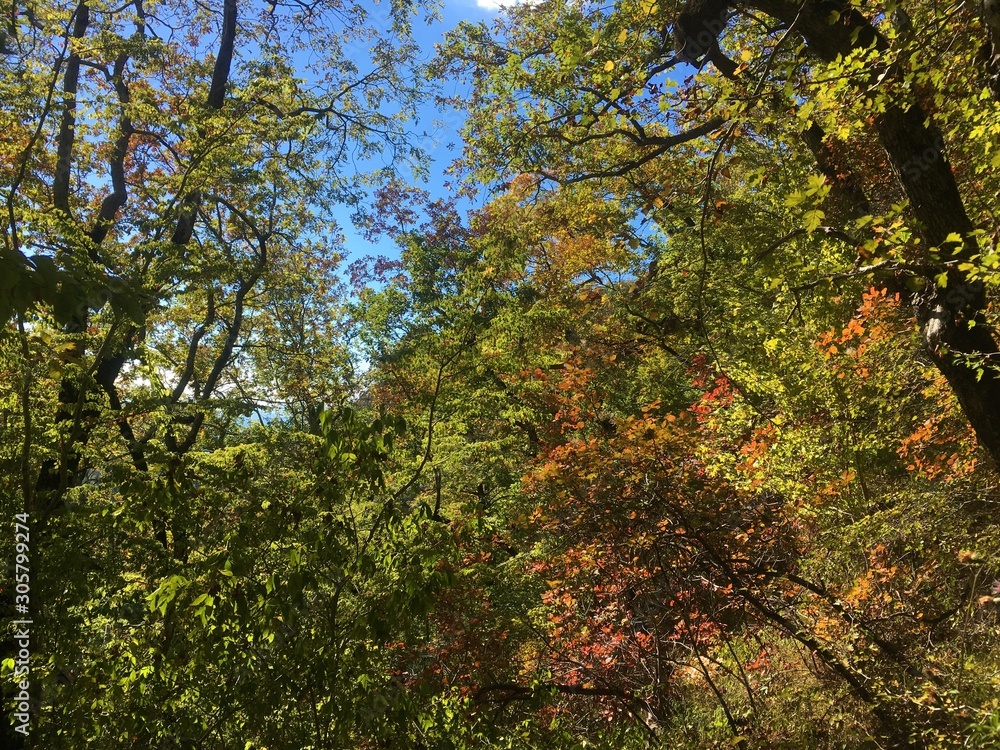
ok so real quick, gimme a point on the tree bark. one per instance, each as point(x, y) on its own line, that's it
point(989, 53)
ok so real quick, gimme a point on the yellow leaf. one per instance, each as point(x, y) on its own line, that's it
point(812, 219)
point(623, 36)
point(609, 66)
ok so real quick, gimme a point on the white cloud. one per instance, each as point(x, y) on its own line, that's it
point(495, 5)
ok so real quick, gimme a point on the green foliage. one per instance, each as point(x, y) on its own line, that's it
point(683, 439)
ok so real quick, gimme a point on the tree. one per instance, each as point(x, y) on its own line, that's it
point(673, 552)
point(648, 451)
point(572, 92)
point(170, 174)
point(148, 169)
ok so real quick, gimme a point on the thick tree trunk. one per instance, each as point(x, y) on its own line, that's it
point(949, 340)
point(989, 54)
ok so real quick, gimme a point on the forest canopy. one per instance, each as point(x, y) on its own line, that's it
point(674, 423)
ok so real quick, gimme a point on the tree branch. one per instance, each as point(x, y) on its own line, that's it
point(224, 60)
point(67, 126)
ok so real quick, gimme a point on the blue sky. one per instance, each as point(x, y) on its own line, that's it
point(437, 130)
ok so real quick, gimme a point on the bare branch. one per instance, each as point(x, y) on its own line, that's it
point(663, 145)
